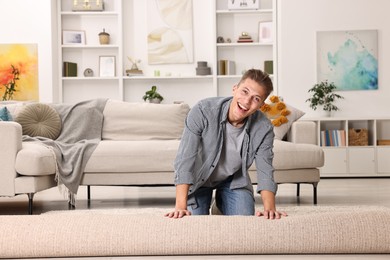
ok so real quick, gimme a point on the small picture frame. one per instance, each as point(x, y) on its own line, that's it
point(265, 32)
point(73, 37)
point(107, 66)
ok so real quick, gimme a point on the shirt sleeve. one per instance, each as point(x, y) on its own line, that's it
point(189, 145)
point(264, 167)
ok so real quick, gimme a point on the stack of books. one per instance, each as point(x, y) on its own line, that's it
point(226, 67)
point(244, 37)
point(134, 72)
point(333, 138)
point(70, 69)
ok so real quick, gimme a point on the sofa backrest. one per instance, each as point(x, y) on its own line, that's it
point(14, 107)
point(143, 121)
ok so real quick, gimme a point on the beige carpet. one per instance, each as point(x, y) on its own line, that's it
point(307, 230)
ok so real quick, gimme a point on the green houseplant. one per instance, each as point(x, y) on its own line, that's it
point(153, 96)
point(322, 95)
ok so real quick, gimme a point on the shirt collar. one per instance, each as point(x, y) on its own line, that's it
point(225, 111)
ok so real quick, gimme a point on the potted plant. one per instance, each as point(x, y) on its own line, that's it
point(153, 96)
point(323, 96)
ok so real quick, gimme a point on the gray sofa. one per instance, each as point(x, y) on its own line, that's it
point(138, 147)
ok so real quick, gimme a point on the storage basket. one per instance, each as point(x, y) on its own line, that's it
point(357, 137)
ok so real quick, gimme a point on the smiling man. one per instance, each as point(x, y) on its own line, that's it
point(221, 140)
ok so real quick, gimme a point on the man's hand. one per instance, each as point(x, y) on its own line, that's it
point(269, 211)
point(271, 214)
point(181, 202)
point(178, 213)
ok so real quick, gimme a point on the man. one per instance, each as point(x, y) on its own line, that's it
point(221, 139)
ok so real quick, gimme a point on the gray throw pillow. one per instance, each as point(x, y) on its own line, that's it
point(40, 120)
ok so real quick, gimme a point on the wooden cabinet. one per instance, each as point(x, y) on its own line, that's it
point(383, 160)
point(361, 160)
point(368, 158)
point(338, 157)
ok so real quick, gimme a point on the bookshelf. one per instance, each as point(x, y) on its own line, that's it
point(127, 23)
point(367, 157)
point(230, 25)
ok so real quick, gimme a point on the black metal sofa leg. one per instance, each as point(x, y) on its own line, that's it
point(315, 193)
point(30, 203)
point(89, 196)
point(89, 193)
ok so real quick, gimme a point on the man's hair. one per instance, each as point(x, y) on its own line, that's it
point(260, 77)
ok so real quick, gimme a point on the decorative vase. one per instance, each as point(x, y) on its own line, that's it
point(325, 113)
point(155, 101)
point(104, 38)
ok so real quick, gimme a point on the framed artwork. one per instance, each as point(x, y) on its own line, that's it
point(107, 66)
point(349, 59)
point(19, 72)
point(73, 37)
point(265, 32)
point(169, 32)
point(243, 4)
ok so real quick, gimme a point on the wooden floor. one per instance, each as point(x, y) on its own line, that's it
point(336, 192)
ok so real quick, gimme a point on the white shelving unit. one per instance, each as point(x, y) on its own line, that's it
point(371, 160)
point(87, 55)
point(230, 24)
point(126, 22)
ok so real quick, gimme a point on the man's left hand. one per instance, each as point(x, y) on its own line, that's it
point(271, 214)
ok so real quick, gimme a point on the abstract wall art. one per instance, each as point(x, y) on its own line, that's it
point(170, 36)
point(19, 72)
point(349, 59)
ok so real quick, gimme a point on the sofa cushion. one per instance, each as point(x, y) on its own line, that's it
point(5, 115)
point(14, 107)
point(143, 121)
point(35, 159)
point(40, 120)
point(294, 115)
point(281, 114)
point(291, 156)
point(133, 156)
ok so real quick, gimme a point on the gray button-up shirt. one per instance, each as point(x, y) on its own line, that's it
point(202, 140)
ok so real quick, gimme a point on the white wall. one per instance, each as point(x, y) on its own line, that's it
point(299, 20)
point(25, 21)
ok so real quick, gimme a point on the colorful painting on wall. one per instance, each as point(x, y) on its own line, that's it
point(19, 72)
point(170, 31)
point(349, 59)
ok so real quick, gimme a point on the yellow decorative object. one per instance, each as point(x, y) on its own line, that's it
point(276, 111)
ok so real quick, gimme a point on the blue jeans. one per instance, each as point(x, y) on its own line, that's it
point(229, 202)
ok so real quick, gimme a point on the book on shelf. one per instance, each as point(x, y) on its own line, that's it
point(269, 67)
point(70, 69)
point(226, 67)
point(335, 138)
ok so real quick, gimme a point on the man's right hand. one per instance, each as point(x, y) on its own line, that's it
point(179, 213)
point(181, 202)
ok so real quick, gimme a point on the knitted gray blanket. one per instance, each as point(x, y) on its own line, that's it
point(81, 133)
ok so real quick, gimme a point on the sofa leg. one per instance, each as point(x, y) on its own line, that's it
point(315, 193)
point(30, 203)
point(89, 193)
point(298, 189)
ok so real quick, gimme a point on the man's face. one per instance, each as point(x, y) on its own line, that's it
point(248, 97)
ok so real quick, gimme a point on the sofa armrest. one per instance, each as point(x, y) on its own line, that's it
point(10, 144)
point(304, 132)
